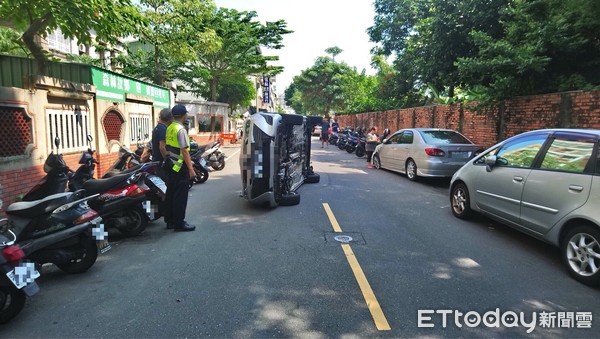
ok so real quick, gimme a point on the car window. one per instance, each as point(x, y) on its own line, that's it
point(406, 138)
point(395, 139)
point(520, 152)
point(444, 137)
point(571, 155)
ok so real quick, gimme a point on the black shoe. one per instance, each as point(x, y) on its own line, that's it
point(185, 228)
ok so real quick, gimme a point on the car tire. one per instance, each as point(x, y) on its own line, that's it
point(460, 202)
point(579, 246)
point(292, 119)
point(376, 161)
point(289, 199)
point(411, 170)
point(312, 179)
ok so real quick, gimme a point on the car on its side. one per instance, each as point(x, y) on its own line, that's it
point(275, 157)
point(545, 183)
point(424, 152)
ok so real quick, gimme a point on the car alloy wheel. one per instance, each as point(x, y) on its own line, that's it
point(460, 201)
point(411, 170)
point(581, 253)
point(376, 161)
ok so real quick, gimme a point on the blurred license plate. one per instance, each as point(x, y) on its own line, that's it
point(27, 275)
point(460, 155)
point(159, 183)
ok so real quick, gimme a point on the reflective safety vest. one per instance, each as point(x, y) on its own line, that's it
point(173, 147)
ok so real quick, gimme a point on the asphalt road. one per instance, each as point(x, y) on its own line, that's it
point(256, 272)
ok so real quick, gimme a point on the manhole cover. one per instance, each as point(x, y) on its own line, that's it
point(343, 238)
point(335, 238)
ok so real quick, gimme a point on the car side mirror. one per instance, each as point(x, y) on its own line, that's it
point(490, 162)
point(386, 141)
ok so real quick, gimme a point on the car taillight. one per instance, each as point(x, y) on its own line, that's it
point(13, 253)
point(435, 152)
point(87, 216)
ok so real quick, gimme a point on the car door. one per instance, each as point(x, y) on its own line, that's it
point(404, 149)
point(561, 184)
point(499, 191)
point(387, 153)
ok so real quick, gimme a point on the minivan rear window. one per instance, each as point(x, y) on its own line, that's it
point(444, 137)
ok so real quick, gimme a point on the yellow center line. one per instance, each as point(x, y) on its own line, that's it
point(332, 220)
point(376, 312)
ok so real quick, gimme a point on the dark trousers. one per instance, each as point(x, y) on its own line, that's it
point(177, 197)
point(369, 156)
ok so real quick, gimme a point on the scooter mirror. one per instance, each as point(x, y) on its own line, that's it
point(57, 142)
point(89, 138)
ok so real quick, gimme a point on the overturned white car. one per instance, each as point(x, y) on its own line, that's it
point(275, 157)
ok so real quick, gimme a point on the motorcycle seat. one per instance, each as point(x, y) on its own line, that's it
point(94, 186)
point(114, 172)
point(35, 208)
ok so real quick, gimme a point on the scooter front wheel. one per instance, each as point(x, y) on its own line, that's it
point(87, 255)
point(201, 175)
point(12, 302)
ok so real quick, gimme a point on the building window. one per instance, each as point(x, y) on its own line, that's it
point(16, 131)
point(71, 126)
point(58, 42)
point(113, 125)
point(139, 127)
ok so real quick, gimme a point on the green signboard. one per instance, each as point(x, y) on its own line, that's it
point(113, 87)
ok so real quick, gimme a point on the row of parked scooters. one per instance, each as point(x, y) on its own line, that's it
point(65, 218)
point(353, 140)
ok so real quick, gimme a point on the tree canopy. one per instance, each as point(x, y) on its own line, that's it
point(109, 19)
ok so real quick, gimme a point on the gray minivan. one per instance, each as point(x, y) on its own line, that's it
point(545, 183)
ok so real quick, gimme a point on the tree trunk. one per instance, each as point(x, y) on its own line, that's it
point(28, 38)
point(159, 76)
point(213, 88)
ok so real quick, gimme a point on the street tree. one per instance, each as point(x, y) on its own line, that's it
point(109, 19)
point(175, 30)
point(237, 92)
point(546, 46)
point(239, 50)
point(428, 36)
point(322, 87)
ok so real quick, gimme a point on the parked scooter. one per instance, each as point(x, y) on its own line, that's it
point(126, 199)
point(213, 155)
point(200, 165)
point(15, 287)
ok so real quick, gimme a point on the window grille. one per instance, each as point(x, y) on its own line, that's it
point(139, 125)
point(16, 131)
point(71, 126)
point(113, 125)
point(58, 42)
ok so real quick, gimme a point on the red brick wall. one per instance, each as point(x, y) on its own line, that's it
point(485, 126)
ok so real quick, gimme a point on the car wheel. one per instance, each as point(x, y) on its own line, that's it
point(312, 179)
point(581, 254)
point(460, 201)
point(376, 161)
point(411, 170)
point(289, 199)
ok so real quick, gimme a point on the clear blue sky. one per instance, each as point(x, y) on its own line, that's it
point(317, 25)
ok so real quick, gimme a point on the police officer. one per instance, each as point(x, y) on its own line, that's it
point(180, 171)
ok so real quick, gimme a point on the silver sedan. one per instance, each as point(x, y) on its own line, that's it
point(425, 152)
point(545, 183)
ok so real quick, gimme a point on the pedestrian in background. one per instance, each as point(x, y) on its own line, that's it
point(335, 127)
point(325, 132)
point(180, 169)
point(372, 140)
